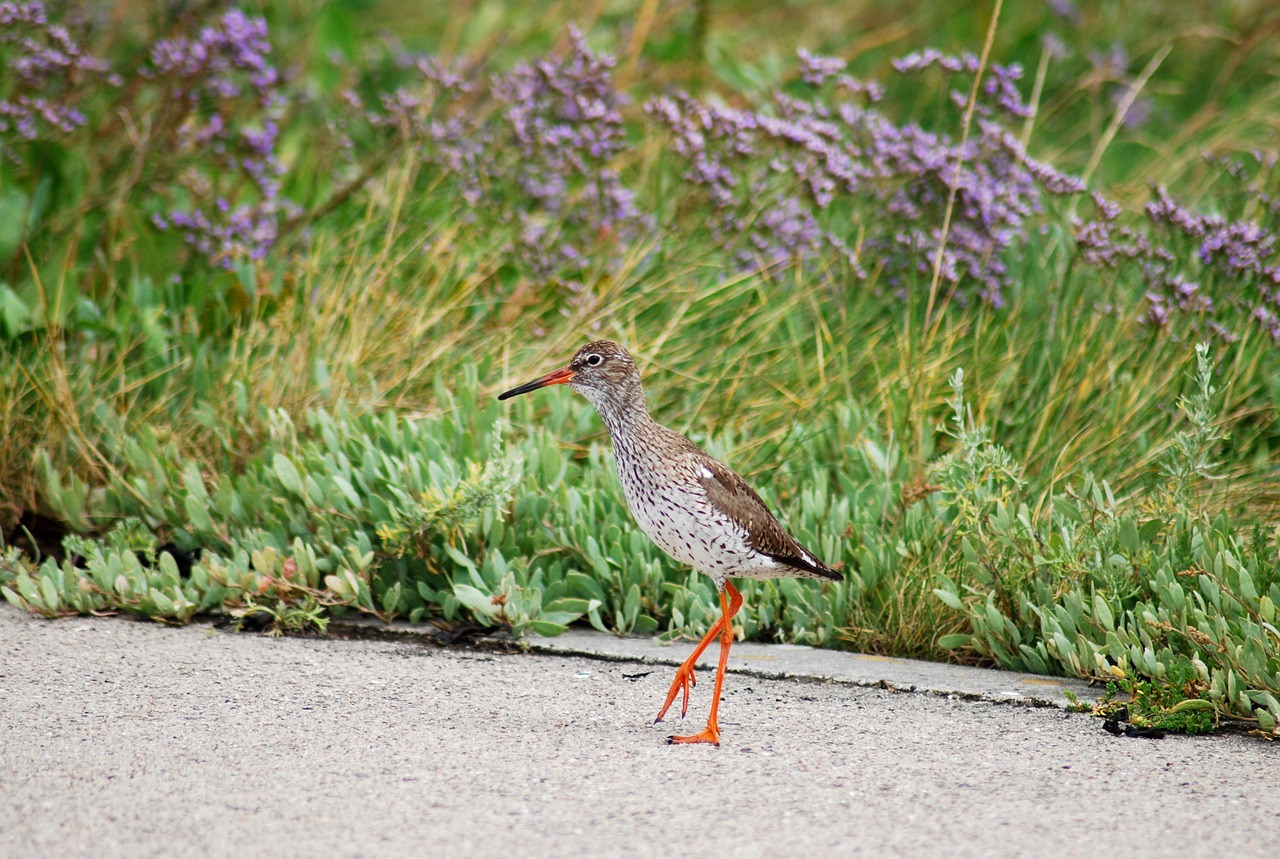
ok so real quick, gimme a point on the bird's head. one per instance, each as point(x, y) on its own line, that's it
point(602, 371)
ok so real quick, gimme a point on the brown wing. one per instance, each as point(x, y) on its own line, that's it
point(731, 494)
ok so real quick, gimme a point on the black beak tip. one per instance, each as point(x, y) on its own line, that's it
point(522, 389)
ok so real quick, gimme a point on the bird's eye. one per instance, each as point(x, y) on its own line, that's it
point(594, 360)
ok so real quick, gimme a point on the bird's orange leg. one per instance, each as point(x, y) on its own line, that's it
point(685, 678)
point(730, 602)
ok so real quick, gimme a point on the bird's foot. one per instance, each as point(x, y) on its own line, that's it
point(709, 734)
point(684, 681)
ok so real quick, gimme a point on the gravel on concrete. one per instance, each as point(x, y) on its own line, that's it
point(122, 738)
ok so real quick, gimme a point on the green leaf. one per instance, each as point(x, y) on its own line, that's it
point(572, 605)
point(168, 569)
point(1253, 657)
point(13, 598)
point(994, 618)
point(584, 586)
point(1192, 705)
point(391, 598)
point(631, 608)
point(1033, 660)
point(49, 593)
point(1102, 612)
point(163, 604)
point(287, 474)
point(645, 625)
point(315, 493)
point(15, 220)
point(477, 602)
point(1150, 530)
point(561, 617)
point(15, 316)
point(348, 491)
point(1248, 591)
point(198, 515)
point(194, 483)
point(1129, 536)
point(28, 588)
point(547, 628)
point(955, 640)
point(949, 598)
point(460, 559)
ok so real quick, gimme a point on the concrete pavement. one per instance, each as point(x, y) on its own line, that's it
point(122, 738)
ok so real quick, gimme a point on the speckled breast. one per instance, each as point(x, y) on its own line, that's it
point(679, 518)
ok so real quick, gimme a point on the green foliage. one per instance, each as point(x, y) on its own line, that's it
point(323, 516)
point(1174, 704)
point(1189, 458)
point(979, 476)
point(1177, 606)
point(281, 618)
point(107, 575)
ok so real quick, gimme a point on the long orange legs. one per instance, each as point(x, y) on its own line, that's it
point(685, 678)
point(730, 602)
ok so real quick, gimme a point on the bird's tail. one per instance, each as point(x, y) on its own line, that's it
point(807, 566)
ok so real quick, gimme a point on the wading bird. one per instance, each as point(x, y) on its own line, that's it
point(697, 510)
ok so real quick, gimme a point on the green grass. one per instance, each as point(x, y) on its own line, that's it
point(323, 425)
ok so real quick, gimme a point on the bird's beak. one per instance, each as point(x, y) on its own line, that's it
point(558, 377)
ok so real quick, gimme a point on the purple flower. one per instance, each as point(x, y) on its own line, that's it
point(1204, 271)
point(1054, 46)
point(774, 177)
point(233, 208)
point(1066, 9)
point(531, 151)
point(1112, 65)
point(816, 70)
point(562, 117)
point(44, 70)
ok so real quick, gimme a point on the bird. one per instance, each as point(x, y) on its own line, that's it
point(695, 509)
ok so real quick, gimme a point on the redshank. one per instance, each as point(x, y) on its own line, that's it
point(697, 510)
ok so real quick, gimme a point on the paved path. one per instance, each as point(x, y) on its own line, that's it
point(120, 738)
point(793, 662)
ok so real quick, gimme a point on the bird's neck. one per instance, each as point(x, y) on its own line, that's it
point(625, 415)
